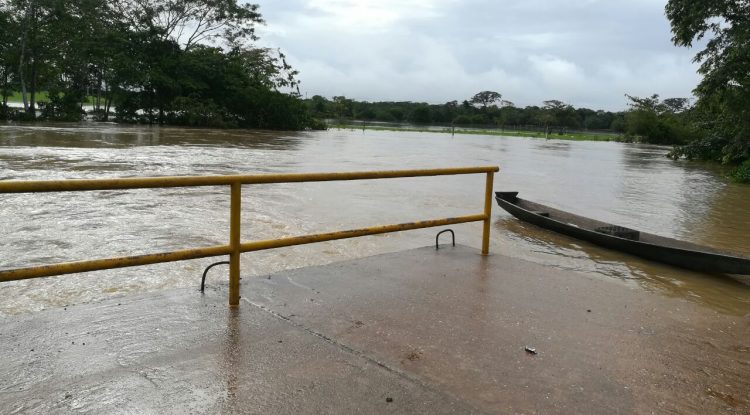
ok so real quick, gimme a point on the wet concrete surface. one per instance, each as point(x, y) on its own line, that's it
point(419, 331)
point(180, 353)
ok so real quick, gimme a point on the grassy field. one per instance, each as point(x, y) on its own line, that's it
point(40, 97)
point(507, 133)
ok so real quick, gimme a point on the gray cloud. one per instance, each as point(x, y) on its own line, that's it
point(585, 52)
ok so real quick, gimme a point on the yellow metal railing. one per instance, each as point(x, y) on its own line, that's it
point(235, 246)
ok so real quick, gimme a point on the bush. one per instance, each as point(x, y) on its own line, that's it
point(462, 120)
point(317, 124)
point(618, 125)
point(470, 120)
point(99, 114)
point(127, 107)
point(195, 112)
point(421, 115)
point(24, 116)
point(710, 147)
point(267, 109)
point(8, 113)
point(62, 106)
point(742, 173)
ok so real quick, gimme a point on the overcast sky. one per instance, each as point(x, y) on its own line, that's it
point(588, 53)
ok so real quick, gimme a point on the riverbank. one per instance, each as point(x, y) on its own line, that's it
point(577, 136)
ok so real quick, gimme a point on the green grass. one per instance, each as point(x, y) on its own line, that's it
point(506, 133)
point(42, 96)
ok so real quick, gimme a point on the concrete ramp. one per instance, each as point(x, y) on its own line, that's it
point(418, 331)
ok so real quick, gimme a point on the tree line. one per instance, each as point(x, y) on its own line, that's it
point(648, 119)
point(187, 62)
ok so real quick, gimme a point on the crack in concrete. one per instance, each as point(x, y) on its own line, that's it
point(366, 357)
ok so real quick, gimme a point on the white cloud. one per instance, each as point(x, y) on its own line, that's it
point(370, 15)
point(557, 73)
point(585, 52)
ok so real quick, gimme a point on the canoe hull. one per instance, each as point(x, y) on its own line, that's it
point(652, 247)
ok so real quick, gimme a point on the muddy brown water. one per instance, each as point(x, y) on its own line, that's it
point(626, 184)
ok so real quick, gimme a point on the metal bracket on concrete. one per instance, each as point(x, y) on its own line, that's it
point(437, 237)
point(203, 280)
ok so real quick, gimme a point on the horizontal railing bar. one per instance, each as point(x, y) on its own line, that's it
point(111, 263)
point(353, 233)
point(121, 262)
point(28, 186)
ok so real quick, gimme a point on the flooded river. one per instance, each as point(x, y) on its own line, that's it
point(627, 184)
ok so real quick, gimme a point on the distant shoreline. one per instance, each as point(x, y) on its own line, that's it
point(572, 136)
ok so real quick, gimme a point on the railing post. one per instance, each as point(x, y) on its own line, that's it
point(234, 243)
point(487, 213)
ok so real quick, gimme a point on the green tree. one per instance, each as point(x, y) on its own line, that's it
point(676, 105)
point(596, 120)
point(343, 107)
point(660, 122)
point(618, 124)
point(560, 114)
point(193, 22)
point(723, 107)
point(8, 38)
point(366, 113)
point(421, 115)
point(511, 115)
point(31, 17)
point(190, 62)
point(397, 114)
point(486, 98)
point(319, 106)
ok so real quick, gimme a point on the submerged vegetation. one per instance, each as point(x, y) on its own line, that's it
point(187, 62)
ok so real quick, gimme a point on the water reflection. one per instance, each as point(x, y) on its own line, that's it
point(232, 360)
point(665, 198)
point(563, 147)
point(87, 135)
point(720, 292)
point(722, 223)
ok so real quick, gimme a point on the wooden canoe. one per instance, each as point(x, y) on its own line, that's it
point(645, 245)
